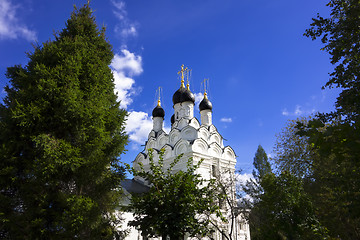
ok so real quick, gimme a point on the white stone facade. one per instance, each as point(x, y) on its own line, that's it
point(198, 140)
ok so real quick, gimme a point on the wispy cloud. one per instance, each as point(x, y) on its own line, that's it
point(11, 26)
point(298, 111)
point(226, 120)
point(125, 66)
point(125, 28)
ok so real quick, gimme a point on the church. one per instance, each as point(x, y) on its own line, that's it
point(192, 138)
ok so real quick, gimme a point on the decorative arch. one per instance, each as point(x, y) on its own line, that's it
point(216, 137)
point(151, 143)
point(151, 134)
point(200, 145)
point(189, 133)
point(194, 123)
point(212, 129)
point(141, 157)
point(174, 136)
point(162, 140)
point(183, 122)
point(181, 147)
point(168, 151)
point(229, 153)
point(204, 133)
point(215, 149)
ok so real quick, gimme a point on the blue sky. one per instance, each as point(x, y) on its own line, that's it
point(262, 70)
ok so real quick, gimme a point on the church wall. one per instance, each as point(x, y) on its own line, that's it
point(196, 140)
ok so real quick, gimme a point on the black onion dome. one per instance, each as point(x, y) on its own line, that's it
point(205, 104)
point(173, 119)
point(158, 112)
point(183, 95)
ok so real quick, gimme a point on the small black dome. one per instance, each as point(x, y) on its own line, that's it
point(158, 112)
point(173, 119)
point(205, 104)
point(183, 95)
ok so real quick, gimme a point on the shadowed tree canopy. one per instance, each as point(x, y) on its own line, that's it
point(340, 34)
point(61, 135)
point(336, 137)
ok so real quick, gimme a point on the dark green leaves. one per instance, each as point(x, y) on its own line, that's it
point(61, 134)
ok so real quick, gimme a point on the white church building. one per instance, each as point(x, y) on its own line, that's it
point(192, 138)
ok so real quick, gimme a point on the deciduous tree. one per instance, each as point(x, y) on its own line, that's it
point(285, 210)
point(292, 152)
point(177, 203)
point(337, 169)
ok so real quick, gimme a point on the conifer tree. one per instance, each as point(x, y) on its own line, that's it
point(261, 164)
point(61, 135)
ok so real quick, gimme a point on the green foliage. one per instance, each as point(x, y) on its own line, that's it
point(285, 211)
point(336, 176)
point(177, 202)
point(335, 137)
point(340, 34)
point(61, 133)
point(253, 187)
point(280, 206)
point(261, 164)
point(293, 152)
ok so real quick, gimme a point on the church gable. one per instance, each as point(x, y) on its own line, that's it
point(199, 140)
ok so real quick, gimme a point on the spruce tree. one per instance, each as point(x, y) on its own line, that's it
point(61, 135)
point(261, 164)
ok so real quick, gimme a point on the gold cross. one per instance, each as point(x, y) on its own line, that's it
point(182, 75)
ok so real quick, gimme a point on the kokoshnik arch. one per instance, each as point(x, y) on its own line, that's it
point(193, 139)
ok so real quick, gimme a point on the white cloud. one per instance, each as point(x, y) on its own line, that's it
point(227, 120)
point(127, 62)
point(130, 31)
point(125, 28)
point(298, 111)
point(285, 112)
point(124, 67)
point(243, 177)
point(198, 98)
point(138, 126)
point(10, 25)
point(120, 11)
